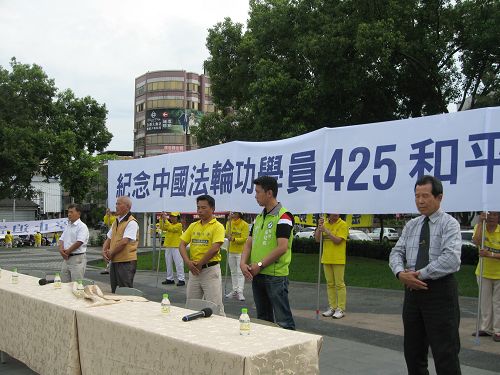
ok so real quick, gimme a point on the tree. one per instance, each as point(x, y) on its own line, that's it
point(305, 64)
point(477, 37)
point(46, 132)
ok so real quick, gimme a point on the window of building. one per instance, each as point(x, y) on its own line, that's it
point(209, 108)
point(166, 103)
point(166, 85)
point(139, 107)
point(208, 91)
point(140, 124)
point(192, 87)
point(140, 91)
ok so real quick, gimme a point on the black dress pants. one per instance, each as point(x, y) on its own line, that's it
point(122, 274)
point(431, 318)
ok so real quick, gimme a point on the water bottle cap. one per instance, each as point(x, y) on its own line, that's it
point(165, 295)
point(14, 269)
point(80, 282)
point(57, 274)
point(244, 310)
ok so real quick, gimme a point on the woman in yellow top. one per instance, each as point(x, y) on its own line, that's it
point(237, 234)
point(109, 218)
point(490, 278)
point(9, 239)
point(38, 239)
point(335, 232)
point(172, 230)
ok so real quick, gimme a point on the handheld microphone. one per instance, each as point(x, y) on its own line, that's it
point(49, 279)
point(204, 313)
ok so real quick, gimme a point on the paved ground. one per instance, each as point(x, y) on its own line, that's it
point(367, 341)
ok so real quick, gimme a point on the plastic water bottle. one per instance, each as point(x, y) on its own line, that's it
point(15, 276)
point(79, 289)
point(165, 304)
point(57, 281)
point(244, 323)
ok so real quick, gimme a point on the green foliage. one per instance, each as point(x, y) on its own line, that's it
point(372, 249)
point(46, 132)
point(98, 240)
point(477, 38)
point(359, 272)
point(302, 65)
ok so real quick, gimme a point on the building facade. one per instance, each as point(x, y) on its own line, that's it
point(49, 196)
point(168, 104)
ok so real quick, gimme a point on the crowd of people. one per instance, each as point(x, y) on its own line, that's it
point(424, 260)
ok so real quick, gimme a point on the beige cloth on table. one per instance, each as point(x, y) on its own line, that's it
point(98, 298)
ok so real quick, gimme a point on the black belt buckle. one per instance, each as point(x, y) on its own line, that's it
point(209, 264)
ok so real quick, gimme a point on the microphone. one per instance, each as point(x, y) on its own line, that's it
point(204, 313)
point(49, 279)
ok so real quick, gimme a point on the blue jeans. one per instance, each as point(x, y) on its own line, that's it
point(270, 294)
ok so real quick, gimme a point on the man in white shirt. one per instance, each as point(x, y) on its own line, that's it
point(73, 246)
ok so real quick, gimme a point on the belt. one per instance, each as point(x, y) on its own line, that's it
point(72, 254)
point(209, 264)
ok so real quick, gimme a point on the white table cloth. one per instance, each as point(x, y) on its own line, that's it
point(38, 325)
point(136, 338)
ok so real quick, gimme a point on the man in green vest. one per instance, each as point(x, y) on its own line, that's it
point(267, 254)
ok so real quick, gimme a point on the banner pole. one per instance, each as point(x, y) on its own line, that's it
point(159, 256)
point(227, 253)
point(319, 273)
point(477, 341)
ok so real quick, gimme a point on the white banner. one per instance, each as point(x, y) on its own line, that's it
point(358, 169)
point(20, 228)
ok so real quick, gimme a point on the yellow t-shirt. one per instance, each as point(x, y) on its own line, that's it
point(239, 234)
point(38, 238)
point(491, 266)
point(335, 253)
point(9, 238)
point(202, 237)
point(173, 233)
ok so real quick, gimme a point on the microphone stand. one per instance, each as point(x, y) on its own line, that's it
point(319, 272)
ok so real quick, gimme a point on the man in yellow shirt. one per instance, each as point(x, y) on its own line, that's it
point(335, 232)
point(172, 229)
point(237, 234)
point(206, 237)
point(9, 239)
point(490, 277)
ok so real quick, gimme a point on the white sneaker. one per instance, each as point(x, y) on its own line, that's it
point(231, 294)
point(240, 296)
point(329, 312)
point(338, 314)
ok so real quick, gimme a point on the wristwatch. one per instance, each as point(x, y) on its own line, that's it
point(261, 266)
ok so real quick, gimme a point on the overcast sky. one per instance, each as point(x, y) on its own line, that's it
point(98, 47)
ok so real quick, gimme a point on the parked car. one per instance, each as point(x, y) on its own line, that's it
point(390, 234)
point(358, 235)
point(26, 240)
point(467, 237)
point(307, 232)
